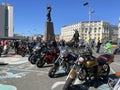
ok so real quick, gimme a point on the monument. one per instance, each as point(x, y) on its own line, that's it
point(49, 27)
point(76, 36)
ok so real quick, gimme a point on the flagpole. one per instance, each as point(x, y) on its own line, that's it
point(90, 11)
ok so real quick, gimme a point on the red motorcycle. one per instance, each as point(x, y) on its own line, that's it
point(48, 56)
point(24, 50)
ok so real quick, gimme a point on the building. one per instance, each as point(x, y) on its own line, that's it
point(119, 32)
point(93, 30)
point(6, 20)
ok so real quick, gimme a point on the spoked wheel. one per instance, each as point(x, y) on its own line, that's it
point(23, 54)
point(33, 59)
point(82, 75)
point(29, 58)
point(66, 67)
point(68, 84)
point(40, 62)
point(52, 71)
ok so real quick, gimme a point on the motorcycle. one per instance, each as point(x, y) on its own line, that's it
point(65, 60)
point(114, 83)
point(88, 68)
point(1, 50)
point(24, 50)
point(117, 50)
point(47, 56)
point(35, 53)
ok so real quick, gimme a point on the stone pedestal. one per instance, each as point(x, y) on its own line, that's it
point(49, 32)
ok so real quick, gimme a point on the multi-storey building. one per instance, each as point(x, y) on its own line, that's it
point(6, 20)
point(119, 32)
point(94, 30)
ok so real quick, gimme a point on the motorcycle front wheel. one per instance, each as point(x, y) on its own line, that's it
point(23, 54)
point(40, 62)
point(66, 67)
point(52, 71)
point(33, 59)
point(68, 84)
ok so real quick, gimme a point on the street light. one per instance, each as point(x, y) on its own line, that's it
point(90, 11)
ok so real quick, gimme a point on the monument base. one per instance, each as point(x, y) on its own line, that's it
point(49, 32)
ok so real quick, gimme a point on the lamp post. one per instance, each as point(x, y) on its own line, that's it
point(90, 11)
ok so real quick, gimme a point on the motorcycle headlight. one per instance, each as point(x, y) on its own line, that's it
point(34, 50)
point(80, 60)
point(38, 48)
point(63, 53)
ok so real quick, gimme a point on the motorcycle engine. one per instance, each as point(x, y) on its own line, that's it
point(87, 74)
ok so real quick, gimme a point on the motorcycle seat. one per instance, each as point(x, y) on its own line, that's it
point(105, 58)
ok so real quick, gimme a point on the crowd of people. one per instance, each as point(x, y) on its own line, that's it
point(14, 44)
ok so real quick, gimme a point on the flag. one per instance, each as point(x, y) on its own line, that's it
point(86, 3)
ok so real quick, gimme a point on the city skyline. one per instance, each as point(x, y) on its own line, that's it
point(30, 16)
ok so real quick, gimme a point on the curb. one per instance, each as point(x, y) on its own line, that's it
point(16, 59)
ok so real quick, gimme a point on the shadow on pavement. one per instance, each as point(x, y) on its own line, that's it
point(96, 84)
point(1, 64)
point(60, 75)
point(45, 66)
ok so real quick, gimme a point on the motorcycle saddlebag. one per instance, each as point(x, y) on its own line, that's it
point(108, 58)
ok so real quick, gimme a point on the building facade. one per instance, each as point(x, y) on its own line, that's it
point(6, 20)
point(94, 30)
point(119, 32)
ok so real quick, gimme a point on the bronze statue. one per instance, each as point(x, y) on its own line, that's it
point(49, 13)
point(76, 36)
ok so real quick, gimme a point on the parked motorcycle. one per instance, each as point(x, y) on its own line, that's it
point(1, 50)
point(47, 56)
point(117, 50)
point(35, 53)
point(88, 68)
point(65, 60)
point(23, 50)
point(114, 83)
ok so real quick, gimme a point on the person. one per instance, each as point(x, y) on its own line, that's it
point(62, 43)
point(98, 46)
point(6, 47)
point(16, 45)
point(117, 49)
point(93, 44)
point(53, 43)
point(108, 47)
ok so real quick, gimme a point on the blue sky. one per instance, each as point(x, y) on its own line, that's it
point(30, 15)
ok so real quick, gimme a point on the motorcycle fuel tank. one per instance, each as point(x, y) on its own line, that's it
point(91, 63)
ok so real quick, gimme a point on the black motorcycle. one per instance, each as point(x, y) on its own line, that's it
point(65, 60)
point(35, 53)
point(1, 50)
